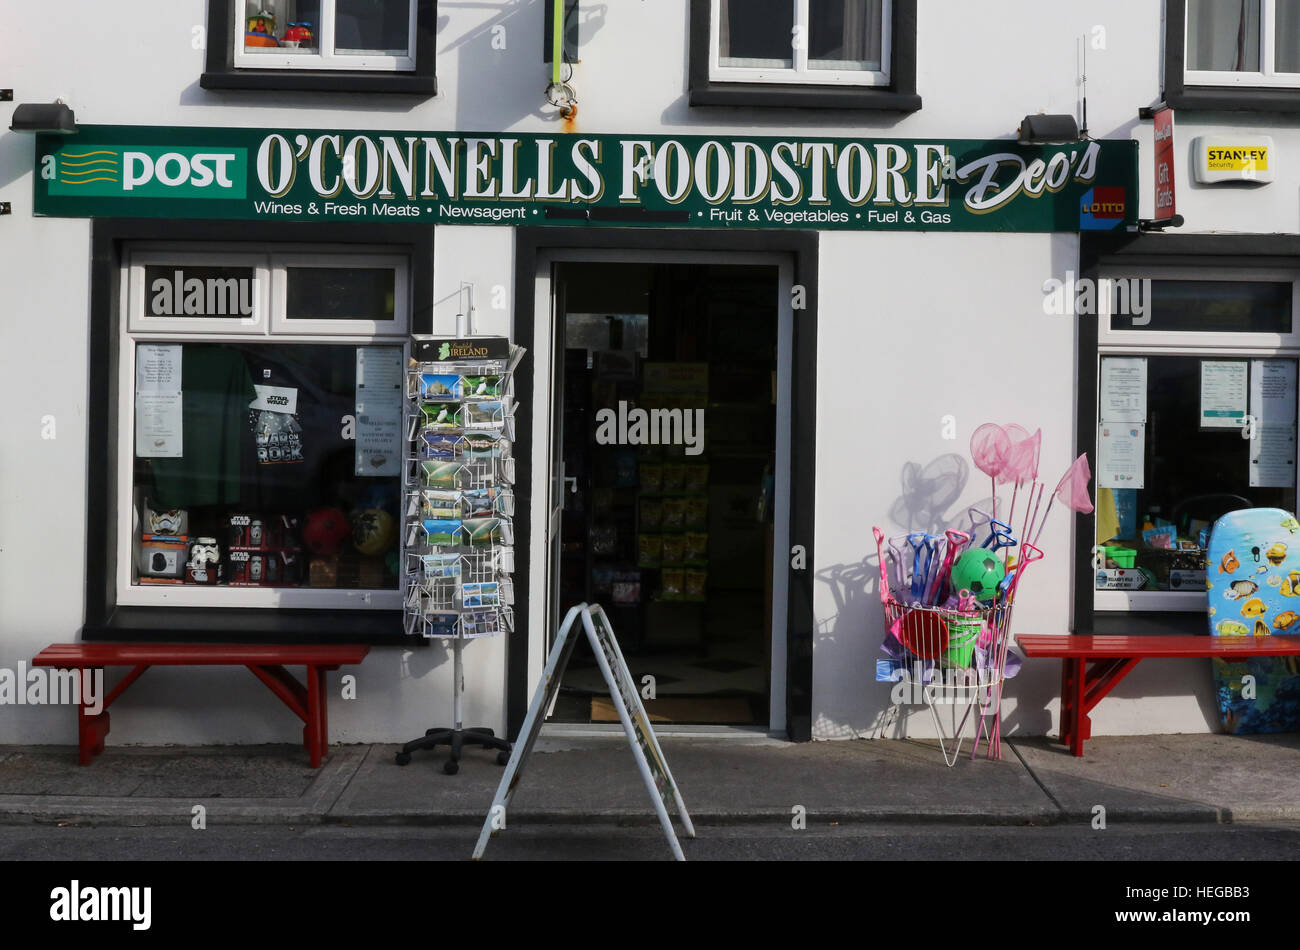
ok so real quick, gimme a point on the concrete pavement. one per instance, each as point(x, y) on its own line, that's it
point(1150, 779)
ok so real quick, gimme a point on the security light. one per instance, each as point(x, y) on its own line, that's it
point(1039, 129)
point(39, 117)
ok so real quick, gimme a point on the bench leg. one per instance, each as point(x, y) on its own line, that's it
point(324, 709)
point(313, 731)
point(1082, 689)
point(91, 730)
point(1067, 706)
point(1075, 725)
point(1080, 724)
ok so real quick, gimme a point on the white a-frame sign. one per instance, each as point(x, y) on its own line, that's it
point(636, 724)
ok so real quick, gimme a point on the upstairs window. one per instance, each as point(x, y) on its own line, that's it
point(804, 54)
point(325, 45)
point(805, 41)
point(1236, 55)
point(325, 34)
point(1251, 42)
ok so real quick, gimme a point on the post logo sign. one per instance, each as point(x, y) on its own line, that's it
point(572, 180)
point(87, 170)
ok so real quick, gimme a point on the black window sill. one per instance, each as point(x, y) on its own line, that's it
point(250, 625)
point(299, 80)
point(794, 96)
point(1234, 99)
point(1147, 623)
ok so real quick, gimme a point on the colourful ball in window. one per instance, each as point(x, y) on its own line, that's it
point(373, 530)
point(325, 531)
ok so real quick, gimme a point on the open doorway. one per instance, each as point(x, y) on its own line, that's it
point(666, 418)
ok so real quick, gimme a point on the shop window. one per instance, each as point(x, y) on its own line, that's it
point(260, 461)
point(1237, 55)
point(340, 45)
point(1197, 421)
point(813, 53)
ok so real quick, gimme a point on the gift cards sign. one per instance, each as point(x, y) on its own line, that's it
point(88, 170)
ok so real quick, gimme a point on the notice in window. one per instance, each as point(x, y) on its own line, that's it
point(1223, 394)
point(1272, 457)
point(1273, 391)
point(379, 411)
point(1121, 451)
point(159, 428)
point(1273, 435)
point(1123, 396)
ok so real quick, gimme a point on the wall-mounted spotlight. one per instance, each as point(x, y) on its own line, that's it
point(1041, 129)
point(53, 117)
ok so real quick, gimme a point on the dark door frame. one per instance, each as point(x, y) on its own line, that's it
point(802, 247)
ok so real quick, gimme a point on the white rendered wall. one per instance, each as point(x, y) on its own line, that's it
point(963, 336)
point(981, 68)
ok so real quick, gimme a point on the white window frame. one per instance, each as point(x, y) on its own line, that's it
point(136, 329)
point(1267, 76)
point(280, 322)
point(326, 56)
point(801, 73)
point(1112, 343)
point(139, 320)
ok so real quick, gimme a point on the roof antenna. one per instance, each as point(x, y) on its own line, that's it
point(1083, 84)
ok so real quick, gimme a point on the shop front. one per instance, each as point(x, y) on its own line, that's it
point(696, 445)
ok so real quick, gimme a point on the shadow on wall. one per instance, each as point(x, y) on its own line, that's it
point(929, 503)
point(928, 492)
point(519, 25)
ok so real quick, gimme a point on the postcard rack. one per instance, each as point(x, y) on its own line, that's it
point(458, 517)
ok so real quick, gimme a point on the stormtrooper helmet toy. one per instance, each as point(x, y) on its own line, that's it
point(204, 565)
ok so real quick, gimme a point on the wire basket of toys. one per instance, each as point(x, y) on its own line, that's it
point(947, 598)
point(947, 610)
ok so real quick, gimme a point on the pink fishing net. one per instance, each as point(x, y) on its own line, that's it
point(1018, 456)
point(988, 447)
point(1072, 489)
point(1022, 458)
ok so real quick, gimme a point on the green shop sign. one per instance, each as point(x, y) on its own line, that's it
point(574, 180)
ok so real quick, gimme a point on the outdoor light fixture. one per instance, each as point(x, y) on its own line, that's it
point(1039, 129)
point(39, 117)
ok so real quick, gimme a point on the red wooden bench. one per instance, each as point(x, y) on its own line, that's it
point(1114, 657)
point(266, 661)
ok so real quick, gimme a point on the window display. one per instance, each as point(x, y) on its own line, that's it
point(256, 481)
point(326, 33)
point(1181, 441)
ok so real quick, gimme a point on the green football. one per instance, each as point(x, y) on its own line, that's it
point(978, 571)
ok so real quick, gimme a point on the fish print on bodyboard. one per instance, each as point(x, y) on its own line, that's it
point(1252, 572)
